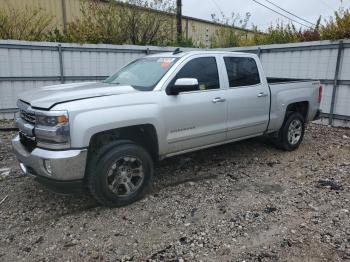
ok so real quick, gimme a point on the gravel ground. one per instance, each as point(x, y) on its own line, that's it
point(241, 202)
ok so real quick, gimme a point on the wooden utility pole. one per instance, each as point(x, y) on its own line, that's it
point(179, 20)
point(64, 15)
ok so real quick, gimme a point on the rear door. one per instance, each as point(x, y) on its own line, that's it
point(248, 98)
point(197, 118)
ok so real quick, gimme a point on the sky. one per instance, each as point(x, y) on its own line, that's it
point(309, 10)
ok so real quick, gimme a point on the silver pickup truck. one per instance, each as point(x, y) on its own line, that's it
point(106, 136)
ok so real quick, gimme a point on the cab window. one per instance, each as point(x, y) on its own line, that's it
point(204, 69)
point(242, 71)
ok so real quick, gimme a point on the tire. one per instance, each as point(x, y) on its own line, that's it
point(119, 173)
point(291, 134)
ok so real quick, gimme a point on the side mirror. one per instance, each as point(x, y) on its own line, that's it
point(184, 85)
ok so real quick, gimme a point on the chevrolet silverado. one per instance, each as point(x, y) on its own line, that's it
point(106, 136)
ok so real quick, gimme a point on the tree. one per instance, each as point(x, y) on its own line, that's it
point(337, 27)
point(28, 23)
point(140, 22)
point(228, 35)
point(99, 23)
point(146, 26)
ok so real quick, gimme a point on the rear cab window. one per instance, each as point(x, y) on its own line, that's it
point(242, 71)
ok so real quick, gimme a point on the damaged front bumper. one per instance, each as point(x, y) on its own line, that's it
point(62, 171)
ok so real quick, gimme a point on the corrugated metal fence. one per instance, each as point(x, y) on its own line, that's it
point(28, 65)
point(325, 60)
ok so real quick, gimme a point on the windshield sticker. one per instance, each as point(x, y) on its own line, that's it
point(165, 62)
point(165, 65)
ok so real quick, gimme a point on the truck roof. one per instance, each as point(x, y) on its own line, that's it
point(186, 53)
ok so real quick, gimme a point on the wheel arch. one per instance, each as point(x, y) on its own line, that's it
point(299, 107)
point(144, 135)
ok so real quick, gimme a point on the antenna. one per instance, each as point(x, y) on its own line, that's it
point(177, 51)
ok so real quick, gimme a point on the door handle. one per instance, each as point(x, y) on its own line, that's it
point(218, 100)
point(262, 94)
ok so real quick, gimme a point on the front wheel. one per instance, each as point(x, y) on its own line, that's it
point(120, 175)
point(291, 133)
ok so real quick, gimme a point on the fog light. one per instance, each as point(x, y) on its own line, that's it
point(47, 165)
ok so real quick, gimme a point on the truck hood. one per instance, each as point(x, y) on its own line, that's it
point(47, 97)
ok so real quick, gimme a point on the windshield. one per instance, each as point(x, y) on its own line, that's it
point(142, 74)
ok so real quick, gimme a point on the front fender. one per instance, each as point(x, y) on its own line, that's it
point(88, 123)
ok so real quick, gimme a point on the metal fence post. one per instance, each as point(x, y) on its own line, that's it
point(335, 84)
point(60, 58)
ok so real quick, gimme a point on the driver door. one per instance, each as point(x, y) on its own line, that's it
point(197, 118)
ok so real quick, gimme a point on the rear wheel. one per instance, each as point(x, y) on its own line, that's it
point(121, 174)
point(291, 133)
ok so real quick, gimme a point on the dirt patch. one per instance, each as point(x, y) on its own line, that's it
point(243, 201)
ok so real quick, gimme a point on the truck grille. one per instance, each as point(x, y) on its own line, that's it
point(26, 124)
point(25, 113)
point(27, 116)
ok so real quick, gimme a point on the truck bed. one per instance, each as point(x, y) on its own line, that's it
point(285, 91)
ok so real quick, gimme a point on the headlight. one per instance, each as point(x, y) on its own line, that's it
point(52, 129)
point(51, 120)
